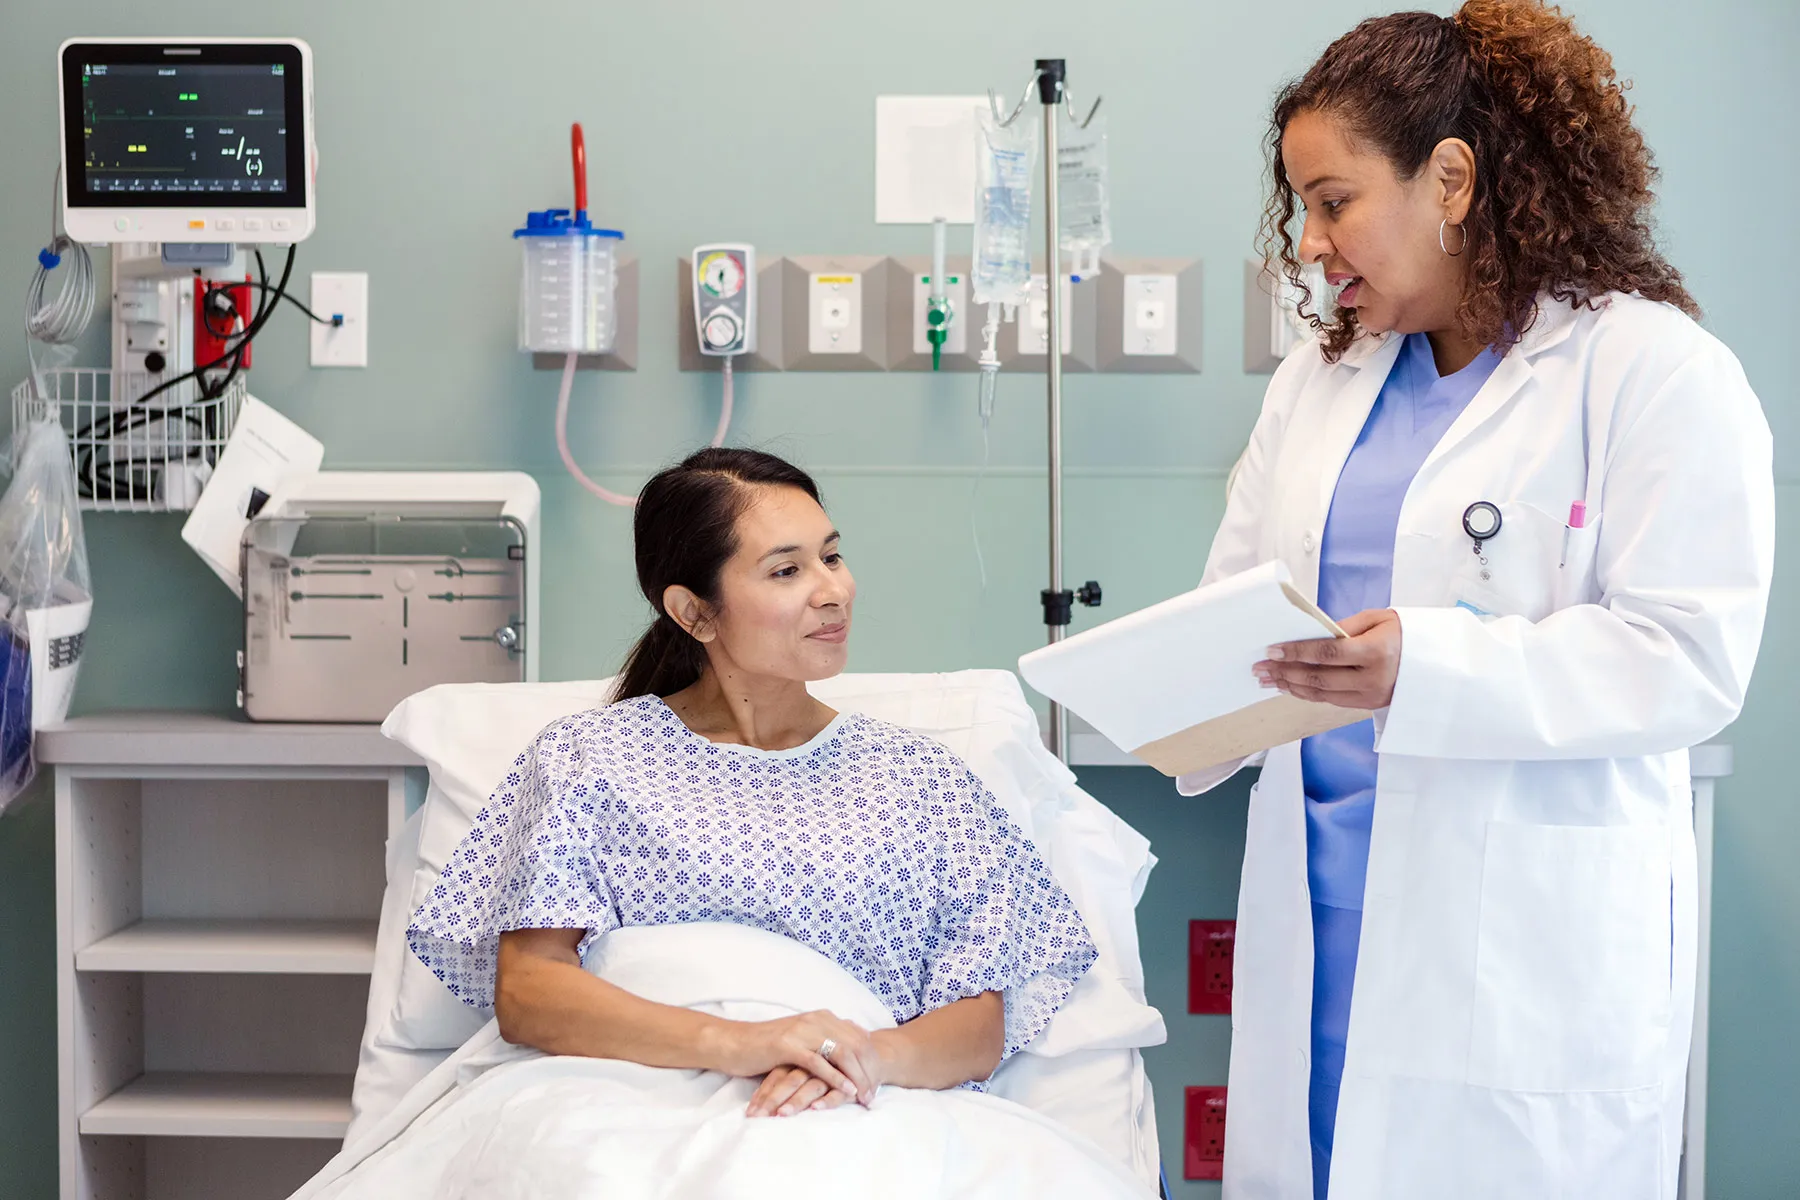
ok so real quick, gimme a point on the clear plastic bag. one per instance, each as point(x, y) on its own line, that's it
point(1082, 184)
point(45, 599)
point(1001, 272)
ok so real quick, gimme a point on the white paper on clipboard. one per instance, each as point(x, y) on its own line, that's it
point(1172, 683)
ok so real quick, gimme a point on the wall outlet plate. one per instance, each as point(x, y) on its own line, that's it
point(1033, 326)
point(1211, 945)
point(1022, 346)
point(909, 289)
point(836, 315)
point(1151, 308)
point(1271, 326)
point(346, 294)
point(1150, 311)
point(1203, 1140)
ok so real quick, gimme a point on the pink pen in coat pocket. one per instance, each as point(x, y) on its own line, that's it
point(1577, 520)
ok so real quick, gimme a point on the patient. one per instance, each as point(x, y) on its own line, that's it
point(715, 788)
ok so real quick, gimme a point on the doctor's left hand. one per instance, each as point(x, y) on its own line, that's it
point(1354, 672)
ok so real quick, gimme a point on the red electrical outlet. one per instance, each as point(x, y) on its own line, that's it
point(1205, 1140)
point(209, 344)
point(1210, 948)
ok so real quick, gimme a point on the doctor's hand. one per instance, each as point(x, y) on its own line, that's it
point(1354, 672)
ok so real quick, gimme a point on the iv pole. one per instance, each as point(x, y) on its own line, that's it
point(1050, 75)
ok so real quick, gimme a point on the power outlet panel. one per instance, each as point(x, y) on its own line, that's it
point(1273, 325)
point(1034, 320)
point(1211, 947)
point(340, 294)
point(1025, 345)
point(1152, 306)
point(834, 313)
point(1203, 1140)
point(837, 315)
point(1149, 318)
point(231, 308)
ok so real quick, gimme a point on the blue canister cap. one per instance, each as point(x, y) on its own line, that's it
point(557, 222)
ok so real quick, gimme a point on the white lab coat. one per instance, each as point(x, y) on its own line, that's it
point(1524, 990)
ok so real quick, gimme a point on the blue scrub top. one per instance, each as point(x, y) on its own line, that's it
point(1356, 572)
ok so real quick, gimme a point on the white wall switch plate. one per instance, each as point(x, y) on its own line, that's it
point(834, 313)
point(345, 294)
point(1034, 321)
point(956, 290)
point(1150, 314)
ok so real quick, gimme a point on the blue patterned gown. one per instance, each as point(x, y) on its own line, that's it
point(872, 844)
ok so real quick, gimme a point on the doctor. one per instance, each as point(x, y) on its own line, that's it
point(1539, 498)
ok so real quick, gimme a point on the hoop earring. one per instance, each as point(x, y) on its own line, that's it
point(1465, 239)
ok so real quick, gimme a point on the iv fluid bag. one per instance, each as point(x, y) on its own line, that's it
point(1085, 216)
point(1002, 262)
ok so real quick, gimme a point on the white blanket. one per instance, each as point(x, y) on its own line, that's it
point(498, 1122)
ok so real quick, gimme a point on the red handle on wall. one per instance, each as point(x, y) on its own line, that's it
point(578, 151)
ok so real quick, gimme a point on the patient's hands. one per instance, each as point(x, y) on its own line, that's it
point(789, 1090)
point(778, 1049)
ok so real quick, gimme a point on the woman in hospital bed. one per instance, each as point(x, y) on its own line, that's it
point(716, 789)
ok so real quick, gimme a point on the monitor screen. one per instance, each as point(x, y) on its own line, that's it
point(213, 125)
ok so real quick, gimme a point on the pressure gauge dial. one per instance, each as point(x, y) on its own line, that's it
point(721, 275)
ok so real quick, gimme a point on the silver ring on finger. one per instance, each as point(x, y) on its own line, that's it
point(827, 1048)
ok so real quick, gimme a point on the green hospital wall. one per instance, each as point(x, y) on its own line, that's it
point(440, 125)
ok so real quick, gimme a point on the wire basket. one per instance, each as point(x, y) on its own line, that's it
point(132, 457)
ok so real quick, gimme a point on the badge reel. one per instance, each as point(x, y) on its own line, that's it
point(1481, 521)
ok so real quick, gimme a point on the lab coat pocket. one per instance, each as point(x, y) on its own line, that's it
point(1575, 582)
point(1516, 574)
point(1572, 959)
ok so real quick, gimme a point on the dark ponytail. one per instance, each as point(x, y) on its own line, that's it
point(1562, 181)
point(684, 532)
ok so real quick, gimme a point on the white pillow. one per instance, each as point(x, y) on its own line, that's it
point(469, 735)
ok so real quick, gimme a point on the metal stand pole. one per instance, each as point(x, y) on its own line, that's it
point(1050, 87)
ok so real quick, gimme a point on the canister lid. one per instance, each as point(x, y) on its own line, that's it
point(557, 222)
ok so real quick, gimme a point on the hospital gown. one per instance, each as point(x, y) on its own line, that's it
point(871, 844)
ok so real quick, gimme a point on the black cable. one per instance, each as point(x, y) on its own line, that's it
point(280, 296)
point(140, 413)
point(254, 328)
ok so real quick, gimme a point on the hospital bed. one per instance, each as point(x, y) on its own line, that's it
point(1085, 1072)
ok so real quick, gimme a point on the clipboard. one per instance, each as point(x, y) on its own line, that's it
point(1172, 684)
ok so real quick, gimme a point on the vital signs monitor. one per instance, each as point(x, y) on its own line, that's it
point(204, 140)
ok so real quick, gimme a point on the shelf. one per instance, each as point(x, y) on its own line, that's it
point(181, 1104)
point(191, 739)
point(237, 947)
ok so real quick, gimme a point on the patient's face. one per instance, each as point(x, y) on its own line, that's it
point(786, 594)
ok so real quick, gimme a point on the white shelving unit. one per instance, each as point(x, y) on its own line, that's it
point(218, 885)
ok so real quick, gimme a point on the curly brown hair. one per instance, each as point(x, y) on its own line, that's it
point(1562, 181)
